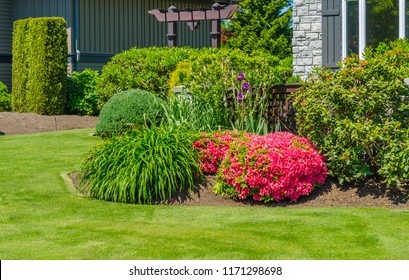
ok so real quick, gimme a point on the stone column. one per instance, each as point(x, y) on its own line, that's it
point(307, 36)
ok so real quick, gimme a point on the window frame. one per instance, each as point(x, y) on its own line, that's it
point(362, 25)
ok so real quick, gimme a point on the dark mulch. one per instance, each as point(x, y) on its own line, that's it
point(368, 194)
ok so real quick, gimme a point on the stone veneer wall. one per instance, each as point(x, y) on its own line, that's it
point(307, 36)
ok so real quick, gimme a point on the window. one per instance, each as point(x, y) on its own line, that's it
point(369, 22)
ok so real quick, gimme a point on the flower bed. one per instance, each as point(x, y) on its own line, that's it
point(272, 167)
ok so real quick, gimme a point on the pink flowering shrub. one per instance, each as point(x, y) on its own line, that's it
point(213, 148)
point(272, 167)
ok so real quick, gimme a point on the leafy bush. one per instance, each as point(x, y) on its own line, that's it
point(272, 167)
point(142, 166)
point(128, 110)
point(5, 99)
point(82, 97)
point(213, 78)
point(358, 116)
point(190, 112)
point(147, 68)
point(39, 65)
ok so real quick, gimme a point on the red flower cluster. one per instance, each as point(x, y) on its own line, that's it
point(276, 166)
point(271, 167)
point(213, 148)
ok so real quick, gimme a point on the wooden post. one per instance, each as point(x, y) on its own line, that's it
point(215, 33)
point(172, 29)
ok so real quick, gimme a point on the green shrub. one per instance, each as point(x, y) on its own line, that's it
point(179, 76)
point(127, 110)
point(143, 166)
point(147, 68)
point(213, 78)
point(20, 65)
point(82, 97)
point(359, 116)
point(40, 70)
point(5, 99)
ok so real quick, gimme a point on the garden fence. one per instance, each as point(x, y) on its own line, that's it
point(281, 112)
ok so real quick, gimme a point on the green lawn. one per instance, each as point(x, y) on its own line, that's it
point(41, 219)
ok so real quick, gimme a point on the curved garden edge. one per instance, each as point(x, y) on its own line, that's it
point(371, 195)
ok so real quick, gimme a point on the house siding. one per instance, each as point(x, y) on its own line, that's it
point(105, 27)
point(6, 29)
point(109, 27)
point(307, 36)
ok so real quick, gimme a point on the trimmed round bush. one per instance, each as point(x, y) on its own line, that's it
point(142, 166)
point(128, 110)
point(272, 167)
point(5, 99)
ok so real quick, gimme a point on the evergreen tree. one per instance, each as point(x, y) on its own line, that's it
point(261, 25)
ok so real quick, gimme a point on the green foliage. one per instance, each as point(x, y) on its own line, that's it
point(82, 97)
point(147, 68)
point(127, 110)
point(260, 25)
point(40, 65)
point(188, 111)
point(5, 99)
point(20, 65)
point(143, 166)
point(252, 124)
point(358, 116)
point(179, 76)
point(213, 78)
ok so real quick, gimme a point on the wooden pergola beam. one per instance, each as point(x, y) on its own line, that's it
point(193, 17)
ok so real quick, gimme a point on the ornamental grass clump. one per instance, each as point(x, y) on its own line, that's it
point(142, 166)
point(272, 167)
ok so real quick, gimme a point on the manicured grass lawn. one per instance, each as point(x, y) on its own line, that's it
point(41, 219)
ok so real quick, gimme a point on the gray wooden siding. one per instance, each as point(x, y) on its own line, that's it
point(108, 26)
point(6, 26)
point(43, 8)
point(6, 29)
point(331, 33)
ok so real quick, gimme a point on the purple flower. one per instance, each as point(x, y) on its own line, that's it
point(241, 76)
point(246, 86)
point(240, 97)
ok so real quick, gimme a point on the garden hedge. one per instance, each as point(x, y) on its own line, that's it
point(144, 68)
point(40, 65)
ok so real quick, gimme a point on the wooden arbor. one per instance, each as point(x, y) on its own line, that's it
point(193, 18)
